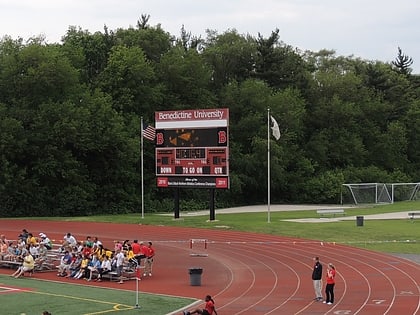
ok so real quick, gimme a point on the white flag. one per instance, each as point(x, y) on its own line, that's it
point(275, 128)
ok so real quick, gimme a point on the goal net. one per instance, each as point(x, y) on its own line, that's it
point(404, 191)
point(366, 193)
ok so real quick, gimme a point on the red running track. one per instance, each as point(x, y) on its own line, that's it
point(249, 273)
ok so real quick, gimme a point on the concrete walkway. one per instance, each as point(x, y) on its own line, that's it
point(276, 208)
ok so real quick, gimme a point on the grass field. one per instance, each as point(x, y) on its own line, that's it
point(32, 297)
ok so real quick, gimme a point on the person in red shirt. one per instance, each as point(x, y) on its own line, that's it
point(208, 309)
point(138, 251)
point(329, 289)
point(148, 263)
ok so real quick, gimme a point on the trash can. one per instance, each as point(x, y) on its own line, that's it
point(359, 220)
point(195, 276)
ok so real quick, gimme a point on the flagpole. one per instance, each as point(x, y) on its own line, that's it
point(141, 167)
point(268, 165)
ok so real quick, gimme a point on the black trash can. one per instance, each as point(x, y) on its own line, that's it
point(195, 276)
point(359, 220)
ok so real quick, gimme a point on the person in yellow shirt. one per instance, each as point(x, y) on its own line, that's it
point(27, 265)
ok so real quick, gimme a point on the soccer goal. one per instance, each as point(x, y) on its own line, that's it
point(366, 193)
point(404, 191)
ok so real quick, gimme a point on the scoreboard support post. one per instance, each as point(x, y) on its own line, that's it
point(211, 203)
point(176, 203)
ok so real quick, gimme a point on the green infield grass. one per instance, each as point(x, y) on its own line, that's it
point(32, 296)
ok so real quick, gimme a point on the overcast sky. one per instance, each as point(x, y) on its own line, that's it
point(369, 29)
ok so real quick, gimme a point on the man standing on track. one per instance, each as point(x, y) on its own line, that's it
point(317, 279)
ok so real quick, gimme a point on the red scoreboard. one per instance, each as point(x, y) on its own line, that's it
point(192, 148)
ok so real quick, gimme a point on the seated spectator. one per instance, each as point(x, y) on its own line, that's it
point(86, 250)
point(93, 267)
point(117, 246)
point(88, 242)
point(3, 249)
point(34, 250)
point(83, 268)
point(75, 265)
point(24, 235)
point(132, 261)
point(105, 267)
point(12, 252)
point(64, 267)
point(27, 265)
point(96, 241)
point(31, 239)
point(21, 251)
point(45, 240)
point(126, 244)
point(42, 256)
point(70, 240)
point(4, 239)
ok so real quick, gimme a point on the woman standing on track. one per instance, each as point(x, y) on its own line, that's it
point(329, 289)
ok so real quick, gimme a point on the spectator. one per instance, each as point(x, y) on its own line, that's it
point(83, 268)
point(64, 267)
point(34, 250)
point(3, 249)
point(75, 265)
point(27, 266)
point(126, 244)
point(136, 247)
point(12, 252)
point(93, 267)
point(96, 241)
point(24, 235)
point(117, 246)
point(105, 267)
point(31, 240)
point(88, 242)
point(45, 240)
point(42, 256)
point(148, 263)
point(69, 240)
point(119, 261)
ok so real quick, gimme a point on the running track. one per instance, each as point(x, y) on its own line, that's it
point(250, 273)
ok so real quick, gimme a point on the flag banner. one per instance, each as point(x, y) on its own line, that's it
point(275, 128)
point(149, 133)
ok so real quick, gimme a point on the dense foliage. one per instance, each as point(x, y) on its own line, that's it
point(70, 118)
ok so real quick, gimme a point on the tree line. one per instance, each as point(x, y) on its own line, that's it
point(70, 118)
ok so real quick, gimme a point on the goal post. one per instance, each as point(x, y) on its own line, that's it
point(365, 193)
point(405, 191)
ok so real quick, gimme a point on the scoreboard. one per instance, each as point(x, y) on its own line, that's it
point(192, 148)
point(192, 161)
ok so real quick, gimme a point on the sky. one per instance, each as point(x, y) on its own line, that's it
point(367, 29)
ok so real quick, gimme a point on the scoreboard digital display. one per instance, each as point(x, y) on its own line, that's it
point(192, 148)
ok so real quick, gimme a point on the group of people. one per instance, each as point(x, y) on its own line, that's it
point(317, 281)
point(83, 260)
point(79, 259)
point(27, 249)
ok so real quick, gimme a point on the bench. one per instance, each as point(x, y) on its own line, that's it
point(10, 264)
point(412, 215)
point(330, 212)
